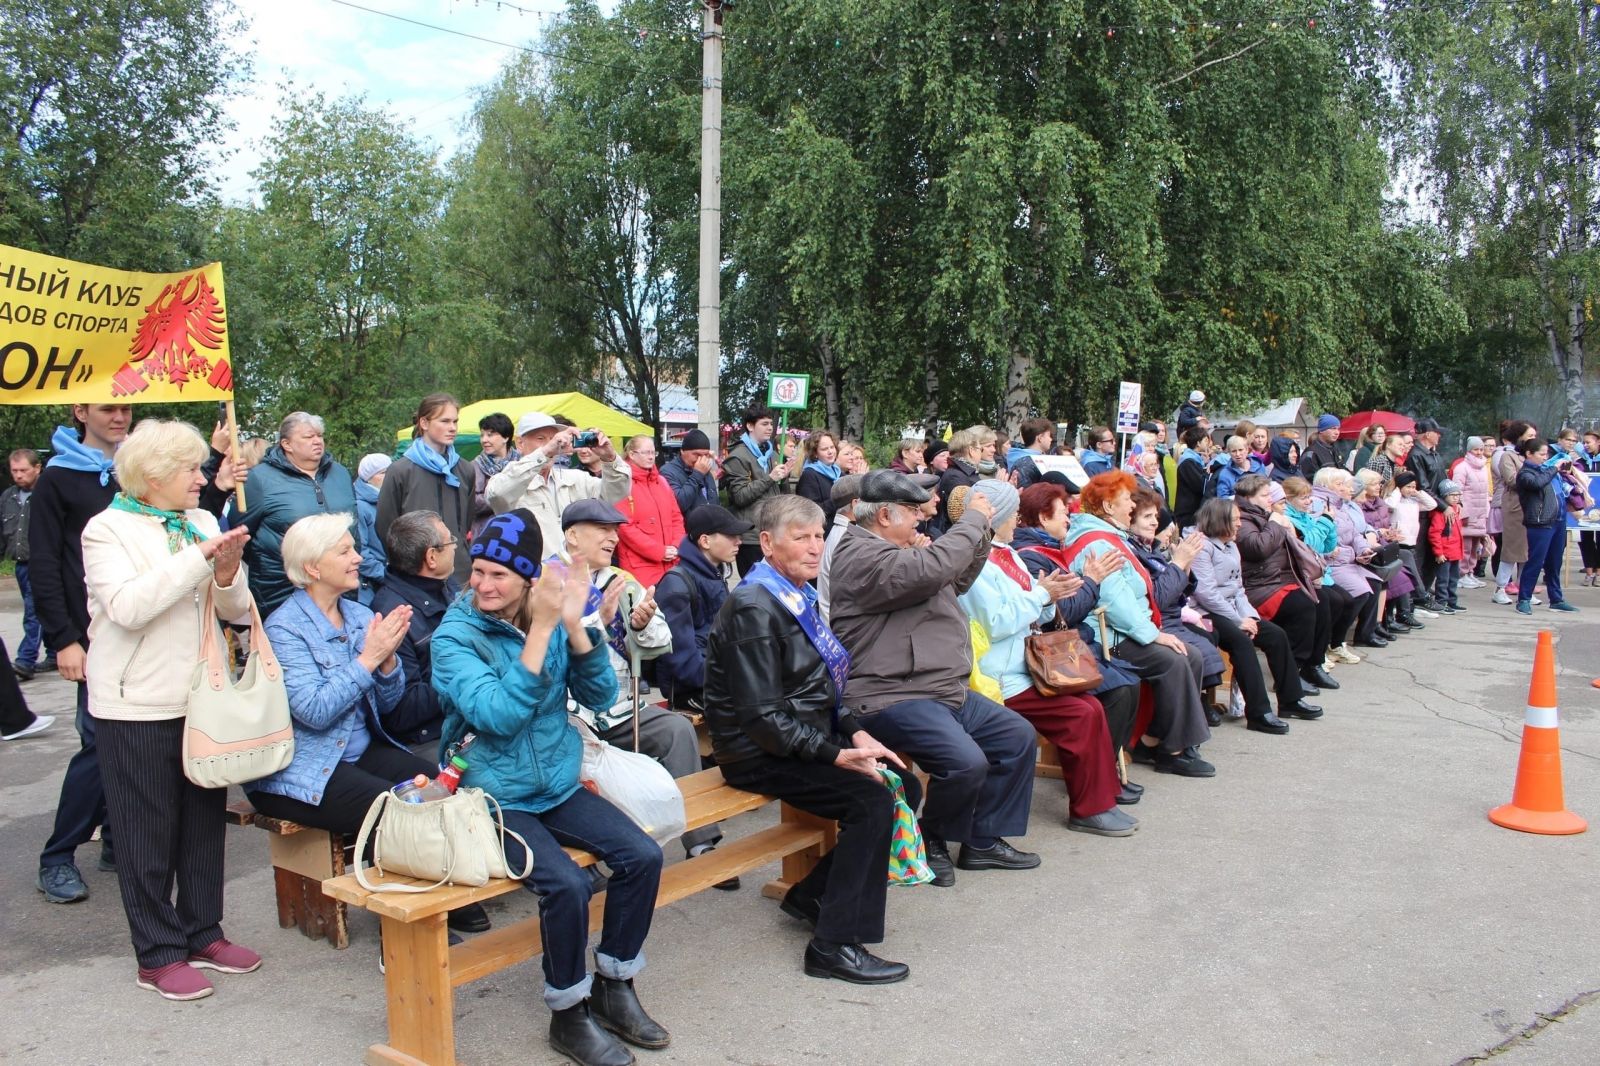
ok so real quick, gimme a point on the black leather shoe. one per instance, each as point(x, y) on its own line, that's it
point(998, 856)
point(854, 963)
point(469, 919)
point(1319, 677)
point(1302, 709)
point(1385, 633)
point(1373, 641)
point(1308, 689)
point(1145, 753)
point(1186, 763)
point(1213, 715)
point(575, 1034)
point(1127, 798)
point(1395, 625)
point(1134, 787)
point(801, 908)
point(1268, 723)
point(23, 672)
point(615, 1005)
point(944, 871)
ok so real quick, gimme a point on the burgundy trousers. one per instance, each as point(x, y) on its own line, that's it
point(1076, 725)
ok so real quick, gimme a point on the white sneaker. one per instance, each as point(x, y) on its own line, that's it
point(1343, 654)
point(39, 725)
point(1329, 662)
point(1536, 601)
point(1500, 596)
point(1470, 582)
point(1421, 613)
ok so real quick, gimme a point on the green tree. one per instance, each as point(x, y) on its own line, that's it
point(1502, 112)
point(337, 271)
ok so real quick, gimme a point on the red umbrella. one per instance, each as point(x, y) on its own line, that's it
point(1351, 427)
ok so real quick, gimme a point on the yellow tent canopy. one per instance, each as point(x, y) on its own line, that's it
point(574, 405)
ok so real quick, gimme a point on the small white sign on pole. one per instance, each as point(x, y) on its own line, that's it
point(1128, 400)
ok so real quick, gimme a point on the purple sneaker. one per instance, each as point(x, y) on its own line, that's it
point(176, 980)
point(225, 957)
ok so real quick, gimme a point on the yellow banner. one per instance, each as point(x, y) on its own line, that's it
point(75, 333)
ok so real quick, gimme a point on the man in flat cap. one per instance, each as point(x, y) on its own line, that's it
point(894, 608)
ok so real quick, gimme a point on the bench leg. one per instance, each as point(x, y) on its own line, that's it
point(800, 863)
point(416, 958)
point(301, 862)
point(1048, 763)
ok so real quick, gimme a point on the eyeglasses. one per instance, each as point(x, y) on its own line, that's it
point(1106, 440)
point(452, 542)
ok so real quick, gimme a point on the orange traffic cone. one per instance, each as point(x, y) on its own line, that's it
point(1537, 804)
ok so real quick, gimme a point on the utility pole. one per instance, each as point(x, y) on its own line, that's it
point(709, 393)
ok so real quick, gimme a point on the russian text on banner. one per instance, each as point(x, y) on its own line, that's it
point(75, 333)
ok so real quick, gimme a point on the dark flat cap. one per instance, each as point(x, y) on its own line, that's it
point(713, 518)
point(596, 511)
point(845, 489)
point(891, 486)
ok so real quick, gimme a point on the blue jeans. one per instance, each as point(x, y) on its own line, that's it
point(28, 650)
point(1546, 546)
point(1445, 581)
point(83, 798)
point(584, 820)
point(979, 757)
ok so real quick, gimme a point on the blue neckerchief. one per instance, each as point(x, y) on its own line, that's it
point(764, 457)
point(616, 632)
point(422, 454)
point(492, 466)
point(72, 454)
point(802, 603)
point(827, 470)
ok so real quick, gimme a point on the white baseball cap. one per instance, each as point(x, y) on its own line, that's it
point(1197, 396)
point(534, 421)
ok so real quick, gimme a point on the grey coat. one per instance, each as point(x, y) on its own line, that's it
point(1219, 582)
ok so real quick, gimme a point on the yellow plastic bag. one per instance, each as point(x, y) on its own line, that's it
point(980, 682)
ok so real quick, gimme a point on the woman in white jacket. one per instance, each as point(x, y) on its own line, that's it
point(148, 561)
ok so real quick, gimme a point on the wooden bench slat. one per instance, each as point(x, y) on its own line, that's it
point(511, 944)
point(241, 812)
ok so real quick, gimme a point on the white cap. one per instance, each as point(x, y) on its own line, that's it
point(1197, 396)
point(534, 421)
point(372, 465)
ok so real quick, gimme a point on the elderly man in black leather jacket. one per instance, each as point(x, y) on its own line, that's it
point(774, 682)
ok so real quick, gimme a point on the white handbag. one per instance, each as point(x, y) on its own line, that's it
point(236, 731)
point(449, 841)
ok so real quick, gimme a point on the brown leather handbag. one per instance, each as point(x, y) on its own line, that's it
point(1060, 663)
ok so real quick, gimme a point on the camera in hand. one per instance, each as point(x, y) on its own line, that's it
point(589, 438)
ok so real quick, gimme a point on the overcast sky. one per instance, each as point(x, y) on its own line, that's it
point(427, 78)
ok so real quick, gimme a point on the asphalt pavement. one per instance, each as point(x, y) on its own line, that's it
point(1335, 896)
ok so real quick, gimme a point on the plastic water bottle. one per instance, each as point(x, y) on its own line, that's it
point(420, 790)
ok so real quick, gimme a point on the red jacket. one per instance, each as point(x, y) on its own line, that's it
point(1444, 533)
point(654, 524)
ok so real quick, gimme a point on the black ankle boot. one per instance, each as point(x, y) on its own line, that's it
point(615, 1006)
point(575, 1034)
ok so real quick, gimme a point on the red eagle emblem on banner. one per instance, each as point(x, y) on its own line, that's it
point(184, 314)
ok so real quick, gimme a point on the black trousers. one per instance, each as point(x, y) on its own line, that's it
point(852, 880)
point(1367, 612)
point(1589, 547)
point(14, 713)
point(1179, 720)
point(749, 555)
point(1241, 649)
point(350, 790)
point(1122, 708)
point(1308, 624)
point(1344, 609)
point(169, 835)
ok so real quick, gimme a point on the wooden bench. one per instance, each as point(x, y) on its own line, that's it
point(302, 858)
point(422, 970)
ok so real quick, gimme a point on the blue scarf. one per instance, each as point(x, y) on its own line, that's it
point(422, 454)
point(762, 457)
point(802, 603)
point(72, 454)
point(827, 470)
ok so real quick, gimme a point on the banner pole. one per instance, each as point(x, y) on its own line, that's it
point(233, 435)
point(783, 435)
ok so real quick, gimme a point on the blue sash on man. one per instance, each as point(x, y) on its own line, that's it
point(801, 601)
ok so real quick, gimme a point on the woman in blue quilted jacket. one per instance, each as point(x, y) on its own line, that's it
point(343, 678)
point(505, 658)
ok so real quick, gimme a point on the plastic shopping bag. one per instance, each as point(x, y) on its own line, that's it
point(636, 785)
point(908, 859)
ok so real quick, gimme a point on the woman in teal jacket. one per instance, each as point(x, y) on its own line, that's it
point(1178, 727)
point(504, 659)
